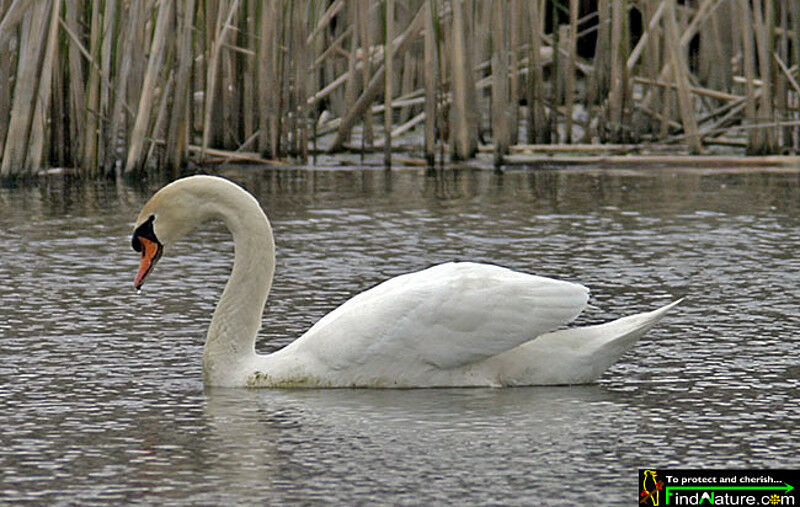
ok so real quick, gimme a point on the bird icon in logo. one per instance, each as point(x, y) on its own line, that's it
point(650, 488)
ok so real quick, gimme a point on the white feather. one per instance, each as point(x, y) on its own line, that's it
point(445, 316)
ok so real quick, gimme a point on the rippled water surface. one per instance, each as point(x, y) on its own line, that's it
point(101, 398)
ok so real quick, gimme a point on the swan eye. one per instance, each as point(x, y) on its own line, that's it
point(144, 231)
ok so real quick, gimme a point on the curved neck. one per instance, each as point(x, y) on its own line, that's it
point(237, 318)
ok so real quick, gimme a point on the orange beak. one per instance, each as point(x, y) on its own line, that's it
point(151, 252)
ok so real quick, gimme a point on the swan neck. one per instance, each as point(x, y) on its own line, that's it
point(230, 342)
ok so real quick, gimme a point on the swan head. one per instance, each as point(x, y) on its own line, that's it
point(178, 208)
point(169, 215)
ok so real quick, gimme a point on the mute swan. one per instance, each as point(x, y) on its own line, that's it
point(455, 324)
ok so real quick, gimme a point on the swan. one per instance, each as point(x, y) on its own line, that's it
point(454, 324)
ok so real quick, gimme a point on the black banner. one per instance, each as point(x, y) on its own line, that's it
point(667, 487)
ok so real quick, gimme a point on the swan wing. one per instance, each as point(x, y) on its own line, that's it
point(445, 316)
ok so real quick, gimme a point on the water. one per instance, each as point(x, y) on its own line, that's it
point(101, 398)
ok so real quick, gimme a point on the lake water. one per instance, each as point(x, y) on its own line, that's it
point(101, 398)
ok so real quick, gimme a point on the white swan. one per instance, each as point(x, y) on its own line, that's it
point(455, 324)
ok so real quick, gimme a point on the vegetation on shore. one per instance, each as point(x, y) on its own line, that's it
point(127, 85)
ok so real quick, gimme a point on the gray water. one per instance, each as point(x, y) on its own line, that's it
point(101, 398)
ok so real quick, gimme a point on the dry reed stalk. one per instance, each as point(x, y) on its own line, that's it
point(759, 83)
point(401, 102)
point(407, 84)
point(537, 121)
point(725, 120)
point(136, 156)
point(473, 112)
point(647, 35)
point(365, 40)
point(38, 133)
point(141, 39)
point(724, 141)
point(388, 79)
point(795, 15)
point(228, 89)
point(247, 56)
point(207, 29)
point(226, 155)
point(464, 143)
point(792, 34)
point(601, 84)
point(721, 110)
point(680, 71)
point(13, 15)
point(269, 89)
point(431, 66)
point(325, 20)
point(402, 129)
point(6, 74)
point(719, 56)
point(566, 148)
point(77, 97)
point(289, 133)
point(117, 118)
point(220, 33)
point(332, 86)
point(335, 46)
point(662, 117)
point(445, 97)
point(781, 52)
point(351, 87)
point(58, 136)
point(159, 124)
point(410, 124)
point(569, 84)
point(361, 105)
point(177, 132)
point(500, 127)
point(697, 90)
point(25, 88)
point(701, 15)
point(655, 60)
point(91, 145)
point(591, 121)
point(332, 65)
point(748, 50)
point(556, 76)
point(764, 30)
point(703, 162)
point(405, 80)
point(514, 89)
point(480, 43)
point(481, 33)
point(299, 51)
point(110, 27)
point(787, 73)
point(733, 128)
point(616, 93)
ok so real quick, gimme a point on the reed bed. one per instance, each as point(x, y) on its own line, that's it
point(130, 86)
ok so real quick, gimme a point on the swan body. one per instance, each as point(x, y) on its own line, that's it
point(454, 324)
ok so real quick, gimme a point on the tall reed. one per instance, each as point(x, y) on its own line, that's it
point(140, 85)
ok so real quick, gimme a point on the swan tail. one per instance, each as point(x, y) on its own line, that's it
point(577, 355)
point(608, 342)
